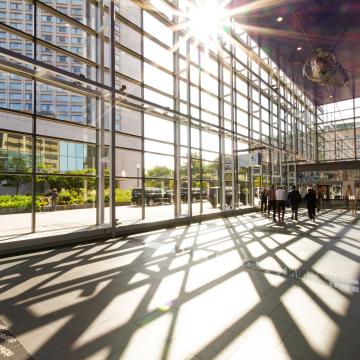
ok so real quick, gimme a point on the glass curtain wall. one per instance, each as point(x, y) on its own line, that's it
point(338, 140)
point(338, 129)
point(110, 117)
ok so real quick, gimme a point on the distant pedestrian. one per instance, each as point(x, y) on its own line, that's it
point(54, 196)
point(350, 196)
point(320, 197)
point(311, 203)
point(294, 199)
point(271, 201)
point(280, 196)
point(263, 200)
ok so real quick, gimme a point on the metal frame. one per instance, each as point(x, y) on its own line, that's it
point(99, 89)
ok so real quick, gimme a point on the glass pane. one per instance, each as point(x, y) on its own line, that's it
point(67, 202)
point(15, 205)
point(128, 195)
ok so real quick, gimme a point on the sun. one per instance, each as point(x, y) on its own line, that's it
point(208, 23)
point(206, 20)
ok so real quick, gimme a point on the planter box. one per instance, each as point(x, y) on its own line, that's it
point(7, 211)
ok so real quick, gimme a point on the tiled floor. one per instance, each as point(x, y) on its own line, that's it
point(18, 226)
point(189, 293)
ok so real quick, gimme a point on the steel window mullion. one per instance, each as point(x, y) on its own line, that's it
point(54, 69)
point(200, 135)
point(233, 126)
point(100, 129)
point(143, 214)
point(113, 103)
point(66, 52)
point(221, 151)
point(42, 42)
point(33, 172)
point(177, 132)
point(355, 139)
point(189, 165)
point(69, 19)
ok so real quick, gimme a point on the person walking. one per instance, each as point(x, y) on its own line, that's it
point(280, 196)
point(294, 199)
point(54, 195)
point(263, 200)
point(351, 198)
point(311, 203)
point(357, 198)
point(271, 201)
point(320, 196)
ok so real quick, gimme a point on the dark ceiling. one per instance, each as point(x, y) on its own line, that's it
point(323, 21)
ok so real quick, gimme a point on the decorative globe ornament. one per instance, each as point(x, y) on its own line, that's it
point(323, 69)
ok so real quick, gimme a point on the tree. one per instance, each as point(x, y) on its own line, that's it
point(19, 166)
point(164, 173)
point(61, 181)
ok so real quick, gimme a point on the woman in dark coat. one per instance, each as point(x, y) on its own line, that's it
point(311, 203)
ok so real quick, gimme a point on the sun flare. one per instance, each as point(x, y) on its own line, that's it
point(206, 21)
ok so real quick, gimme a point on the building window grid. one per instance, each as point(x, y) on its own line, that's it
point(255, 85)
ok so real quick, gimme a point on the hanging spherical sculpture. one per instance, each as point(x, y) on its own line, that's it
point(323, 68)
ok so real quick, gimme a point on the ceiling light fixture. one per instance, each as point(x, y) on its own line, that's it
point(299, 48)
point(280, 19)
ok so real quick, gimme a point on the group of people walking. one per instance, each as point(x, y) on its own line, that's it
point(276, 200)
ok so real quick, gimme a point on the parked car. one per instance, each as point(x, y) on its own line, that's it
point(214, 196)
point(152, 196)
point(195, 192)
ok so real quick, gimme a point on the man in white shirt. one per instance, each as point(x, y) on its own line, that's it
point(280, 196)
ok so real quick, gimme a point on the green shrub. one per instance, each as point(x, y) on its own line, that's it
point(91, 197)
point(66, 197)
point(21, 202)
point(70, 197)
point(122, 195)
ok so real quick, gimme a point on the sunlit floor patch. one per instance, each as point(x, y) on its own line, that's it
point(304, 274)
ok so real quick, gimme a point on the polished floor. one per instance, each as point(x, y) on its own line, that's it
point(235, 288)
point(18, 226)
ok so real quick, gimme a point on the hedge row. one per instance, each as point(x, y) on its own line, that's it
point(66, 197)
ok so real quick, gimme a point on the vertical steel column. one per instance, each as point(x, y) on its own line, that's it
point(334, 127)
point(316, 135)
point(142, 119)
point(234, 147)
point(271, 129)
point(355, 139)
point(200, 136)
point(177, 142)
point(232, 114)
point(189, 177)
point(100, 128)
point(33, 135)
point(277, 153)
point(221, 126)
point(250, 145)
point(235, 154)
point(112, 126)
